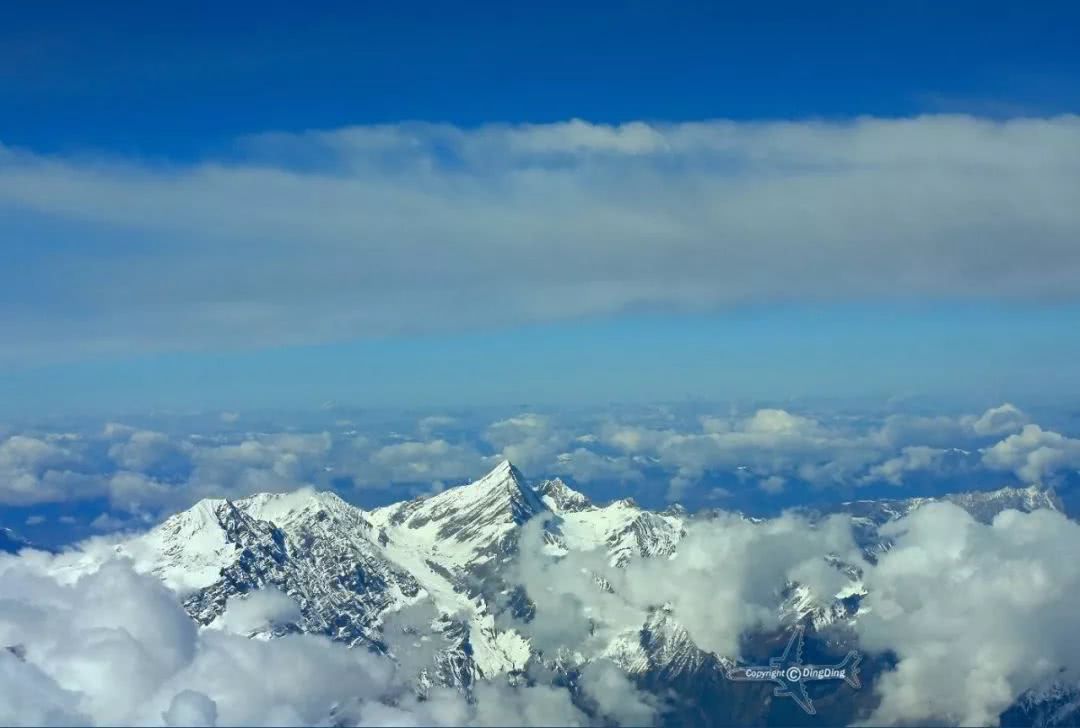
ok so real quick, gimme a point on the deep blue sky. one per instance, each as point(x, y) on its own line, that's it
point(175, 78)
point(162, 82)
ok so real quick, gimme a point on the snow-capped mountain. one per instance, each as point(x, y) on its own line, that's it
point(350, 571)
point(869, 515)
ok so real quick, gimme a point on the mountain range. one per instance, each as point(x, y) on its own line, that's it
point(444, 560)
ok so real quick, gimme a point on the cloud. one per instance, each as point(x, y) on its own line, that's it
point(529, 440)
point(34, 470)
point(189, 708)
point(136, 493)
point(432, 424)
point(143, 473)
point(976, 614)
point(910, 459)
point(780, 446)
point(725, 578)
point(257, 612)
point(429, 461)
point(614, 695)
point(1001, 420)
point(272, 462)
point(325, 236)
point(114, 647)
point(769, 442)
point(772, 484)
point(144, 450)
point(1034, 454)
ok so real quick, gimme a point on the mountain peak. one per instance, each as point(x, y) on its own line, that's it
point(285, 508)
point(478, 516)
point(561, 498)
point(504, 484)
point(504, 471)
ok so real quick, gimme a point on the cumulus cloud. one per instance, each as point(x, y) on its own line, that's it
point(273, 462)
point(726, 577)
point(769, 442)
point(426, 461)
point(614, 695)
point(432, 424)
point(35, 470)
point(144, 450)
point(778, 446)
point(1001, 420)
point(530, 440)
point(585, 466)
point(146, 472)
point(114, 647)
point(1034, 454)
point(591, 220)
point(257, 612)
point(910, 459)
point(976, 614)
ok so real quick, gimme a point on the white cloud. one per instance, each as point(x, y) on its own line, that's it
point(115, 648)
point(999, 421)
point(142, 450)
point(430, 461)
point(779, 446)
point(189, 708)
point(262, 463)
point(428, 426)
point(531, 441)
point(615, 696)
point(772, 484)
point(770, 442)
point(725, 578)
point(551, 221)
point(34, 470)
point(585, 465)
point(1034, 454)
point(977, 614)
point(910, 459)
point(258, 611)
point(136, 493)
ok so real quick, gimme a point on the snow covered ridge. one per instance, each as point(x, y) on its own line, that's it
point(347, 567)
point(484, 574)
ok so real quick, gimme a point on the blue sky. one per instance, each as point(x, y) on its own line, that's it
point(174, 81)
point(954, 356)
point(178, 237)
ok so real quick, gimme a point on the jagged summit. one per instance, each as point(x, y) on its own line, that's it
point(284, 509)
point(983, 505)
point(561, 498)
point(506, 478)
point(348, 569)
point(468, 523)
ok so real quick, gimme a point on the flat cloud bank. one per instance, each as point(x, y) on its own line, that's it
point(360, 231)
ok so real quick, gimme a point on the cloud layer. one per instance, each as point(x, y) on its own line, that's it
point(116, 648)
point(140, 473)
point(418, 227)
point(977, 614)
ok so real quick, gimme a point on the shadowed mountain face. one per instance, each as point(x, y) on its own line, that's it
point(350, 571)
